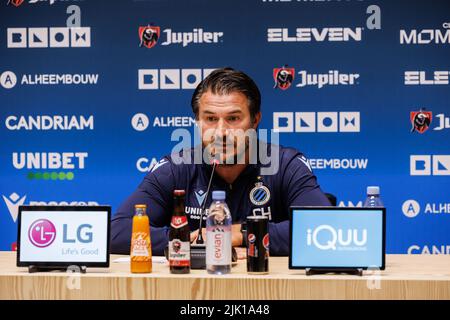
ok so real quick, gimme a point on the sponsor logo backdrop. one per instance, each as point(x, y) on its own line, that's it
point(90, 92)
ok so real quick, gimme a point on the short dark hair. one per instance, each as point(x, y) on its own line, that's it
point(225, 81)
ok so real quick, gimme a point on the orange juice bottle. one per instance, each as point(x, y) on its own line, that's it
point(141, 248)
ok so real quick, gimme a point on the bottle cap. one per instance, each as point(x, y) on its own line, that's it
point(373, 191)
point(179, 193)
point(218, 195)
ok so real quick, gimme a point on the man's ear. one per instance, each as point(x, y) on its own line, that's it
point(257, 120)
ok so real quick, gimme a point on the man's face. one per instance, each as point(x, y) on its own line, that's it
point(222, 120)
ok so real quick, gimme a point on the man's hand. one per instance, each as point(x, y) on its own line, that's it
point(236, 235)
point(241, 253)
point(194, 235)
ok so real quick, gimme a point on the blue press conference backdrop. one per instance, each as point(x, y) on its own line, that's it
point(379, 64)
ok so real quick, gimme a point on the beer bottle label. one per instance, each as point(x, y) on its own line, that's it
point(179, 221)
point(140, 244)
point(218, 246)
point(179, 253)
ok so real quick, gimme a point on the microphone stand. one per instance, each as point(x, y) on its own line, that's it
point(198, 249)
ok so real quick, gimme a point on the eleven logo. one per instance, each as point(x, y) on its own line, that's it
point(419, 78)
point(334, 34)
point(328, 34)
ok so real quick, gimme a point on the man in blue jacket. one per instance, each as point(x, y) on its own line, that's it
point(226, 101)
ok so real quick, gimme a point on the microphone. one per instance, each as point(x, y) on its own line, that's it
point(198, 249)
point(202, 211)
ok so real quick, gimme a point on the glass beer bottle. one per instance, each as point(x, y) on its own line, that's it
point(141, 248)
point(179, 237)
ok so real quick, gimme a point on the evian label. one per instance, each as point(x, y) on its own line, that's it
point(218, 245)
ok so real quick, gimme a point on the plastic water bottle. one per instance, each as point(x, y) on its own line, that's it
point(373, 197)
point(218, 236)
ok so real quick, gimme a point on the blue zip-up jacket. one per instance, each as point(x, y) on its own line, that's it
point(294, 184)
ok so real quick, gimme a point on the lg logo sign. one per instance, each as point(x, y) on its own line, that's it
point(42, 233)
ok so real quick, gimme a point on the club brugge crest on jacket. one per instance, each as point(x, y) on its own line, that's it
point(260, 194)
point(421, 120)
point(15, 3)
point(148, 36)
point(283, 77)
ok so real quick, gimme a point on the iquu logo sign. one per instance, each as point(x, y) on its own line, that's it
point(325, 237)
